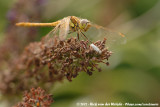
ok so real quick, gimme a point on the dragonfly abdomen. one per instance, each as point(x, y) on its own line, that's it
point(28, 24)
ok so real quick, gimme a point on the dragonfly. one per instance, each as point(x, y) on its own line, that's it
point(73, 24)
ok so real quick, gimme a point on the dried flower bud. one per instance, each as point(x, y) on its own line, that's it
point(16, 38)
point(36, 98)
point(44, 65)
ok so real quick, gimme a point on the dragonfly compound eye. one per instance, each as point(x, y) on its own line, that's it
point(85, 24)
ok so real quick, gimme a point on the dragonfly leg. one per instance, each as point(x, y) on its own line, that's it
point(70, 32)
point(85, 37)
point(78, 36)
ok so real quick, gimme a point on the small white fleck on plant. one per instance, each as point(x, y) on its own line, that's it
point(95, 48)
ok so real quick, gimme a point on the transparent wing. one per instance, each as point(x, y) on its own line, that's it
point(114, 38)
point(64, 28)
point(48, 40)
point(61, 30)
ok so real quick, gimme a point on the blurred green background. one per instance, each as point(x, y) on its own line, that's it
point(134, 71)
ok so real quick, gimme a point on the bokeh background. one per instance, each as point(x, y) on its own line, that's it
point(134, 71)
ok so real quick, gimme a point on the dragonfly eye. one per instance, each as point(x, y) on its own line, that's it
point(84, 24)
point(84, 21)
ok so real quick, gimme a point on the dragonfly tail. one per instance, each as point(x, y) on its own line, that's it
point(28, 24)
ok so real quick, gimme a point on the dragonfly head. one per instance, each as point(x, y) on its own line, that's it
point(84, 24)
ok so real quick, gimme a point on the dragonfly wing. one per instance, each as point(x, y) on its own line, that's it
point(48, 40)
point(64, 28)
point(113, 38)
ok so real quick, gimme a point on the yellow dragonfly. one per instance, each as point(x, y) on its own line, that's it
point(71, 24)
